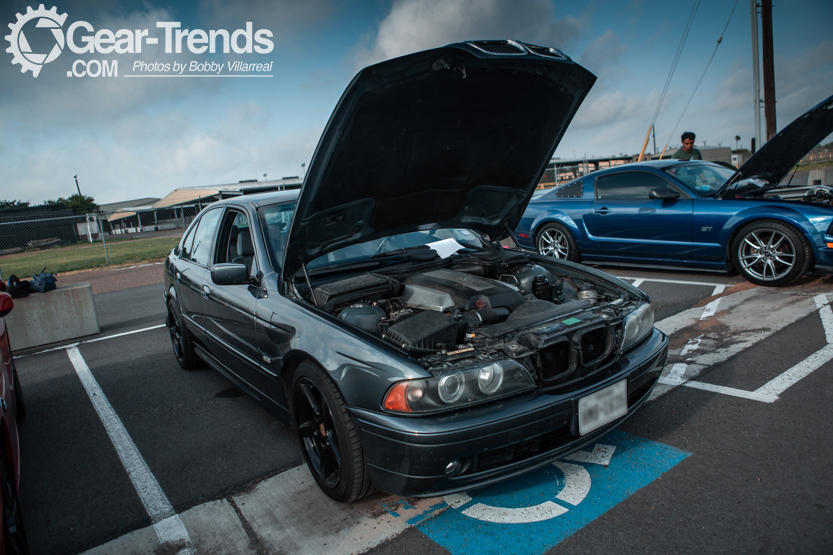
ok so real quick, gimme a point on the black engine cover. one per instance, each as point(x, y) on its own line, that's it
point(469, 292)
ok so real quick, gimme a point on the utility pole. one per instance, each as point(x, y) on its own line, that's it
point(756, 62)
point(769, 69)
point(77, 186)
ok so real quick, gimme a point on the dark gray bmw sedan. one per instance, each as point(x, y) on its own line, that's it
point(380, 313)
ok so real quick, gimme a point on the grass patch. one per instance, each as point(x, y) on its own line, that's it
point(84, 256)
point(821, 165)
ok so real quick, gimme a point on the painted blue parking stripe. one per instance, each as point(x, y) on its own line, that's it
point(546, 506)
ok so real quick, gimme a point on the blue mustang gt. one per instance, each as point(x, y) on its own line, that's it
point(696, 214)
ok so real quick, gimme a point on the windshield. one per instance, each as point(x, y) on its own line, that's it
point(369, 249)
point(706, 179)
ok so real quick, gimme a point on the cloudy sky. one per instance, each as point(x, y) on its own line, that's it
point(129, 138)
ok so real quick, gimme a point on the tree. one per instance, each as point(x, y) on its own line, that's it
point(77, 203)
point(13, 203)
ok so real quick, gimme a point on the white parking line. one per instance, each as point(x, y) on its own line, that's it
point(769, 392)
point(710, 309)
point(718, 287)
point(71, 345)
point(166, 523)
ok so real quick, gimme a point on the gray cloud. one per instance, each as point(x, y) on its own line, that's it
point(602, 52)
point(413, 25)
point(288, 20)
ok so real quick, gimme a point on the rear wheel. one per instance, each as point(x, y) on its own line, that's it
point(554, 240)
point(770, 253)
point(328, 438)
point(181, 339)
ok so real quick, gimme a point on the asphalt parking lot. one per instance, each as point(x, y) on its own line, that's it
point(122, 450)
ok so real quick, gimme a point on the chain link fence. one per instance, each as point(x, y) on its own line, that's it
point(40, 238)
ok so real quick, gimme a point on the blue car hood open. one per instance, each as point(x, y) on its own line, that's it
point(458, 136)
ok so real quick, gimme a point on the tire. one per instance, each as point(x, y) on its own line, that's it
point(554, 240)
point(182, 341)
point(14, 534)
point(770, 253)
point(327, 436)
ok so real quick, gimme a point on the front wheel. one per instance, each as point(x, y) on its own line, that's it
point(328, 438)
point(554, 240)
point(770, 253)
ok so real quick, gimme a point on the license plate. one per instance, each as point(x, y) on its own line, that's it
point(602, 407)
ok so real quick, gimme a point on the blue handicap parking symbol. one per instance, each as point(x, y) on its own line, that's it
point(548, 505)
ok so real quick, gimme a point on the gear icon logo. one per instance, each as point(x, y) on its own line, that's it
point(20, 49)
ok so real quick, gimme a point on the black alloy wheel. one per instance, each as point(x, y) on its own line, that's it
point(327, 436)
point(770, 253)
point(554, 240)
point(181, 339)
point(14, 534)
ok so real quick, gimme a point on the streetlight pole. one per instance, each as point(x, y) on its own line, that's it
point(77, 186)
point(756, 63)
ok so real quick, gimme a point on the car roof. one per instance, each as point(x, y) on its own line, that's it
point(260, 199)
point(656, 165)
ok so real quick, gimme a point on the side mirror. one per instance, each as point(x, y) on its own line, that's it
point(229, 274)
point(663, 193)
point(6, 304)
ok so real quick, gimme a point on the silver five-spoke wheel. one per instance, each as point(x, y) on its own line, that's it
point(770, 253)
point(554, 240)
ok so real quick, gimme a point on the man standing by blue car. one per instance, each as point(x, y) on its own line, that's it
point(688, 152)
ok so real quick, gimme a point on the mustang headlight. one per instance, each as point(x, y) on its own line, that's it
point(638, 324)
point(460, 387)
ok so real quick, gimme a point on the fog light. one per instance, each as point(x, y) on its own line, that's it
point(452, 468)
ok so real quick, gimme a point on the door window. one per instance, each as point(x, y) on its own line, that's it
point(201, 249)
point(628, 185)
point(236, 240)
point(185, 252)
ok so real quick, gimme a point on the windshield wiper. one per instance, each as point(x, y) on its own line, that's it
point(419, 252)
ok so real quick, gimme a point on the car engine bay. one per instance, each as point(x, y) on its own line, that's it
point(559, 323)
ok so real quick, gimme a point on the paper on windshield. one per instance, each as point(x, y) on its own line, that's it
point(446, 247)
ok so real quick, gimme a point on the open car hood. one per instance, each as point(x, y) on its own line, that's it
point(778, 155)
point(453, 137)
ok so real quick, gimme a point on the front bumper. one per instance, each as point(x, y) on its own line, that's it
point(408, 456)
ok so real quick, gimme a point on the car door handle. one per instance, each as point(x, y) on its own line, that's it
point(602, 211)
point(206, 291)
point(178, 277)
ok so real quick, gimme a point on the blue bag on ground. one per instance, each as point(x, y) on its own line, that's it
point(42, 282)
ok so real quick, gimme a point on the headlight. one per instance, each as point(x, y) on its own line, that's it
point(638, 324)
point(457, 388)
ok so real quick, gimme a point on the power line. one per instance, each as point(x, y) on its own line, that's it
point(703, 74)
point(677, 55)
